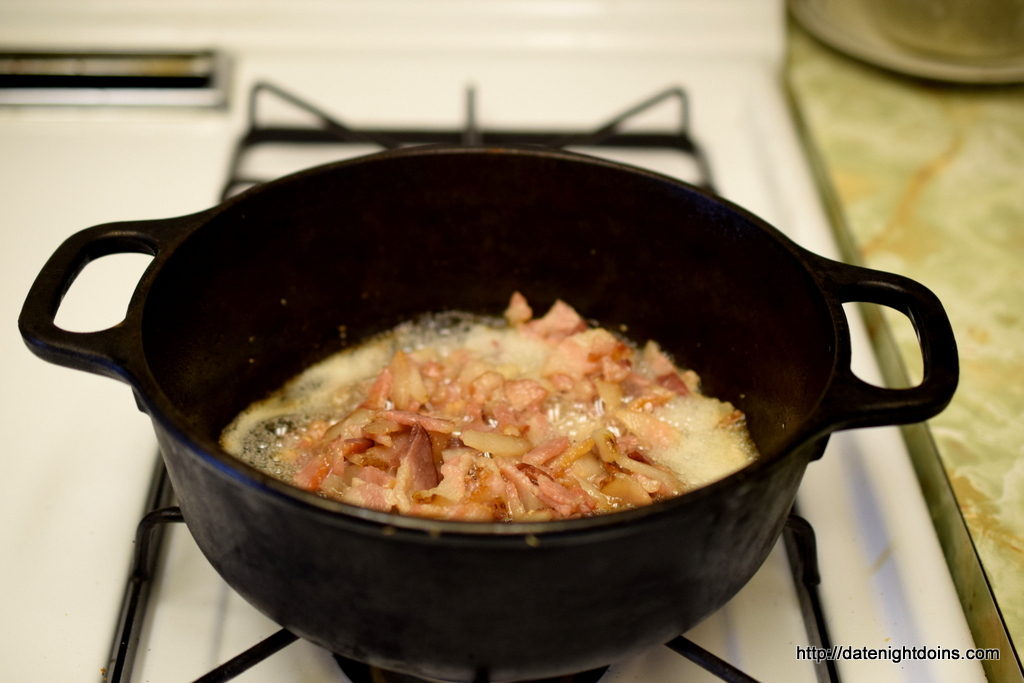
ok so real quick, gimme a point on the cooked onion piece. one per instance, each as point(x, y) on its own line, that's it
point(526, 419)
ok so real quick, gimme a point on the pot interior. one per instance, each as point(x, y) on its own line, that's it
point(263, 288)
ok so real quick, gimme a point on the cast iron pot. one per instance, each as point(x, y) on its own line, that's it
point(241, 297)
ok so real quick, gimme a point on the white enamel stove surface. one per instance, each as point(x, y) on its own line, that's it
point(79, 454)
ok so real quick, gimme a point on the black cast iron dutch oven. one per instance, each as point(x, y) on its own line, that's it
point(241, 297)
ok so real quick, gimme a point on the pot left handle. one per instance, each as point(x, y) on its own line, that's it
point(111, 352)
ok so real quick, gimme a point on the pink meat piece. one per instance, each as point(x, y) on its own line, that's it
point(558, 497)
point(635, 385)
point(562, 382)
point(584, 353)
point(473, 412)
point(614, 370)
point(389, 457)
point(376, 398)
point(647, 484)
point(630, 444)
point(651, 431)
point(513, 503)
point(658, 360)
point(339, 466)
point(559, 322)
point(350, 446)
point(412, 419)
point(503, 413)
point(419, 456)
point(446, 392)
point(570, 358)
point(375, 475)
point(525, 487)
point(489, 483)
point(538, 427)
point(518, 310)
point(432, 370)
point(367, 495)
point(316, 469)
point(524, 393)
point(600, 342)
point(473, 418)
point(482, 387)
point(547, 451)
point(453, 477)
point(674, 382)
point(469, 511)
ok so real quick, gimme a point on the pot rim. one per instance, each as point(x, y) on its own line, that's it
point(117, 352)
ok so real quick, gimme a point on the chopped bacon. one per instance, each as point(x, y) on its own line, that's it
point(503, 445)
point(516, 509)
point(547, 451)
point(445, 393)
point(525, 487)
point(657, 360)
point(559, 322)
point(524, 393)
point(432, 370)
point(467, 434)
point(651, 431)
point(614, 370)
point(411, 419)
point(482, 387)
point(453, 476)
point(518, 310)
point(407, 389)
point(367, 495)
point(564, 500)
point(672, 380)
point(626, 489)
point(562, 382)
point(420, 458)
point(570, 359)
point(635, 384)
point(581, 354)
point(316, 470)
point(350, 446)
point(668, 483)
point(377, 397)
point(505, 416)
point(374, 475)
point(735, 417)
point(572, 454)
point(538, 427)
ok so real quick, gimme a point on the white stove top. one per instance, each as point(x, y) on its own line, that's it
point(81, 454)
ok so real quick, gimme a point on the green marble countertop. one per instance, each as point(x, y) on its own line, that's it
point(927, 180)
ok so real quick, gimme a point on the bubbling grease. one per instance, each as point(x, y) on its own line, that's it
point(626, 427)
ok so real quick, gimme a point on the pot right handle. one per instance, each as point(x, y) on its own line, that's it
point(852, 402)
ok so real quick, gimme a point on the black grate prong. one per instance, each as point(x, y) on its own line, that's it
point(328, 129)
point(707, 661)
point(134, 603)
point(241, 663)
point(471, 136)
point(802, 552)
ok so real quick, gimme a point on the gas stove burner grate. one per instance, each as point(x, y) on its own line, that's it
point(326, 129)
point(798, 537)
